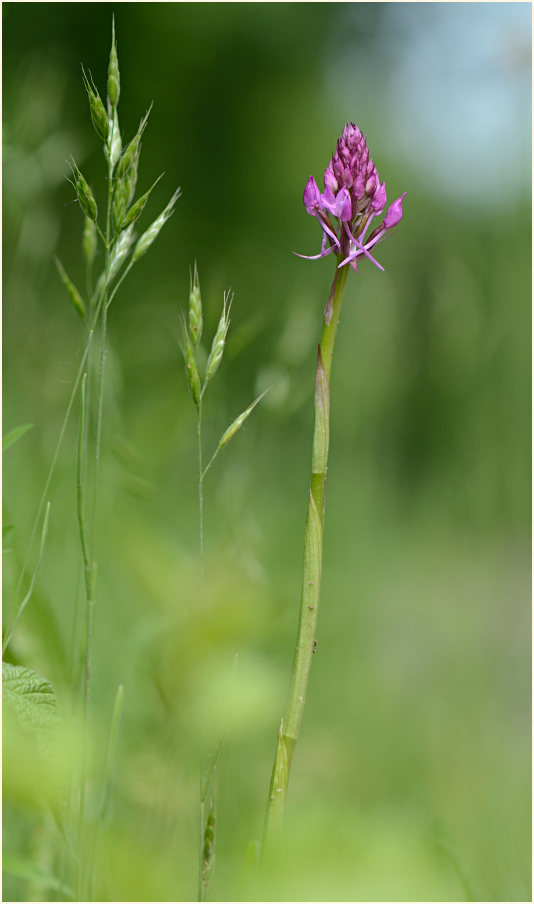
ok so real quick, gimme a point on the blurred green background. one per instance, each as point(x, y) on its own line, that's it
point(411, 780)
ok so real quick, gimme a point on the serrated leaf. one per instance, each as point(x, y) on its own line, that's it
point(33, 700)
point(13, 435)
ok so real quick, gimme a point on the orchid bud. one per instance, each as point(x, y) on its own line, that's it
point(330, 180)
point(370, 185)
point(379, 200)
point(312, 196)
point(394, 214)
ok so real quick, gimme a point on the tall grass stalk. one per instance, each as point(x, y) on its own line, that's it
point(87, 530)
point(121, 215)
point(192, 327)
point(122, 250)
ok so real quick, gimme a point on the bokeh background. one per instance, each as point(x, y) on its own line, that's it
point(411, 780)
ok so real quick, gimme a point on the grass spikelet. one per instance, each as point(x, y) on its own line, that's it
point(151, 234)
point(132, 149)
point(219, 340)
point(113, 71)
point(89, 241)
point(72, 291)
point(115, 141)
point(118, 208)
point(239, 421)
point(195, 308)
point(137, 209)
point(98, 111)
point(84, 194)
point(191, 370)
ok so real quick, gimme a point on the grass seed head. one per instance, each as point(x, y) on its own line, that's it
point(240, 420)
point(151, 234)
point(191, 370)
point(137, 209)
point(97, 109)
point(114, 141)
point(195, 308)
point(118, 255)
point(89, 241)
point(119, 205)
point(219, 340)
point(113, 72)
point(131, 152)
point(84, 194)
point(130, 176)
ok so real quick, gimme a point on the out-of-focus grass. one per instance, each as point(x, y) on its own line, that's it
point(412, 777)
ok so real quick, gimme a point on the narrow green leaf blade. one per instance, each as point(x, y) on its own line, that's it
point(24, 869)
point(72, 291)
point(8, 531)
point(13, 435)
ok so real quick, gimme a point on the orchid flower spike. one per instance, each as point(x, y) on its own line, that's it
point(353, 196)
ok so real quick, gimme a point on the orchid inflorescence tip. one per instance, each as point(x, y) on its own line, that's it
point(353, 196)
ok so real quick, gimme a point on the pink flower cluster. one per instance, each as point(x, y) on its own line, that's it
point(353, 196)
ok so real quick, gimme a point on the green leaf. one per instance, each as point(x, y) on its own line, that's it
point(111, 758)
point(13, 435)
point(32, 699)
point(7, 537)
point(24, 869)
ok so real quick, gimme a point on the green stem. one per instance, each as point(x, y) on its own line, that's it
point(88, 550)
point(313, 553)
point(200, 491)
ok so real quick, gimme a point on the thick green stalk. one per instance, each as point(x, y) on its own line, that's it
point(313, 554)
